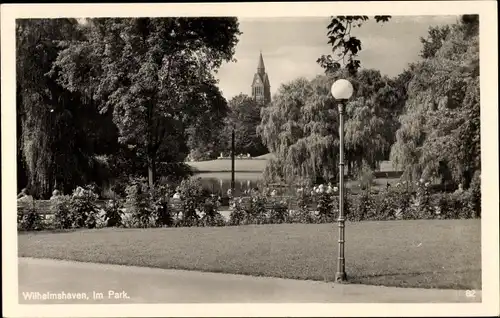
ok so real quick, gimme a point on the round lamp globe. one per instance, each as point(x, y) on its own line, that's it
point(342, 89)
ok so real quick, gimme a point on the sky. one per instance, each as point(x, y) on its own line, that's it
point(291, 46)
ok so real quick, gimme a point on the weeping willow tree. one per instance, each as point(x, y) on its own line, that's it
point(440, 129)
point(301, 127)
point(36, 48)
point(371, 119)
point(57, 128)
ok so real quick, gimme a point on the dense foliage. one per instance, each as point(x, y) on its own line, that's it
point(145, 208)
point(243, 117)
point(440, 128)
point(426, 119)
point(104, 99)
point(58, 133)
point(155, 75)
point(110, 101)
point(300, 126)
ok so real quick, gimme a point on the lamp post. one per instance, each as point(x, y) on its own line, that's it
point(341, 90)
point(54, 168)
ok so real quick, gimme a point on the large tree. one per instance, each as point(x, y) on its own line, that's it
point(434, 40)
point(243, 117)
point(369, 122)
point(440, 129)
point(58, 132)
point(300, 128)
point(205, 131)
point(301, 125)
point(151, 73)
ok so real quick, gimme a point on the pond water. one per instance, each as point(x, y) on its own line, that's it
point(220, 182)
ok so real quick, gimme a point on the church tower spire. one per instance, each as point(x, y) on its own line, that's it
point(261, 88)
point(260, 68)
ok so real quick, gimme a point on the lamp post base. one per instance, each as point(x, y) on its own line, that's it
point(340, 277)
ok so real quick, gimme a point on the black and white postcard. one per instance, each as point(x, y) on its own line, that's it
point(250, 159)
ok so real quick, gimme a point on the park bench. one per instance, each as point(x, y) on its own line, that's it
point(42, 207)
point(176, 206)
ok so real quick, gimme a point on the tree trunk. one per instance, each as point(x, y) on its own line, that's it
point(151, 171)
point(466, 179)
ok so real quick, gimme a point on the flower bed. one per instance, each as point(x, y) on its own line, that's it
point(191, 205)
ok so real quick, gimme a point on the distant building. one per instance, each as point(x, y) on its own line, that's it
point(261, 88)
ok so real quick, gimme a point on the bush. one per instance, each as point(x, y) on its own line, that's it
point(420, 203)
point(128, 221)
point(460, 205)
point(237, 215)
point(160, 200)
point(116, 189)
point(83, 205)
point(475, 190)
point(210, 213)
point(138, 203)
point(60, 207)
point(279, 212)
point(304, 200)
point(325, 207)
point(363, 207)
point(401, 201)
point(193, 198)
point(153, 207)
point(28, 218)
point(113, 213)
point(386, 207)
point(256, 212)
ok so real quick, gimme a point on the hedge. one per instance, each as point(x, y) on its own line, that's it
point(155, 208)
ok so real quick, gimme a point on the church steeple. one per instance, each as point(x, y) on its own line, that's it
point(260, 68)
point(261, 88)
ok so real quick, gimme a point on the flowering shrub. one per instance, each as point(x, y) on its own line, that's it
point(400, 200)
point(210, 213)
point(147, 207)
point(302, 213)
point(279, 212)
point(250, 211)
point(256, 213)
point(28, 218)
point(420, 204)
point(160, 201)
point(458, 205)
point(386, 207)
point(84, 208)
point(363, 207)
point(138, 203)
point(192, 196)
point(61, 209)
point(237, 215)
point(325, 207)
point(113, 213)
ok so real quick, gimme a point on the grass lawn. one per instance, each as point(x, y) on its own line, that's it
point(258, 164)
point(226, 176)
point(422, 253)
point(242, 165)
